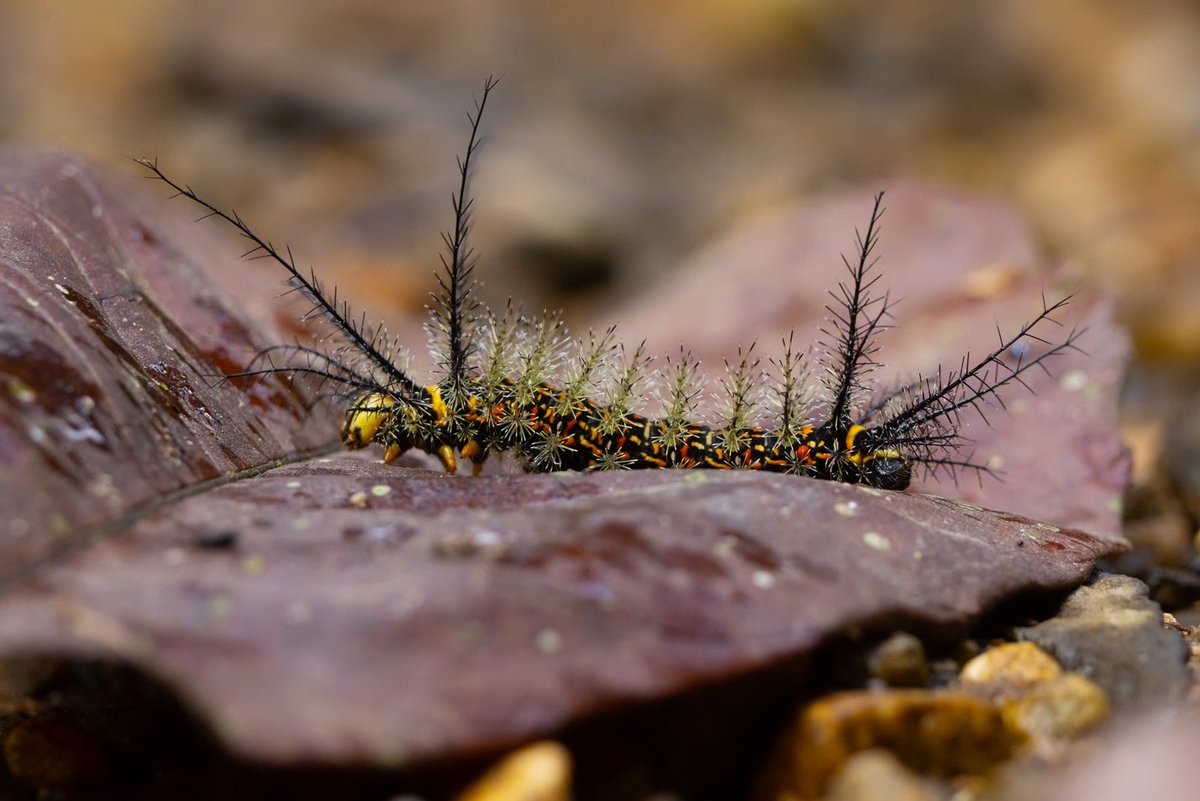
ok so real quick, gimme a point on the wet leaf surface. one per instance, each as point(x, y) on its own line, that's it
point(343, 611)
point(496, 608)
point(109, 341)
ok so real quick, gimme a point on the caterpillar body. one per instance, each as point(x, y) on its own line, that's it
point(509, 384)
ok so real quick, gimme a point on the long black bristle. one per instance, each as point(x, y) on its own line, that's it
point(927, 423)
point(857, 317)
point(337, 313)
point(454, 307)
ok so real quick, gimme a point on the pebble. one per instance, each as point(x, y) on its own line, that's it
point(876, 774)
point(899, 661)
point(1008, 670)
point(538, 772)
point(1043, 707)
point(1111, 632)
point(1057, 711)
point(939, 733)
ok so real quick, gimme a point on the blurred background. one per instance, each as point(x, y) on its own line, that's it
point(627, 134)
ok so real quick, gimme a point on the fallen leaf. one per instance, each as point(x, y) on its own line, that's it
point(341, 611)
point(111, 342)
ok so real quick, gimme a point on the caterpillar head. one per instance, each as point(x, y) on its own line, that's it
point(399, 424)
point(858, 457)
point(367, 416)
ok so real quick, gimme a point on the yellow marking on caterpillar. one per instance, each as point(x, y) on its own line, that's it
point(859, 459)
point(440, 414)
point(473, 406)
point(852, 435)
point(856, 459)
point(392, 453)
point(369, 414)
point(471, 450)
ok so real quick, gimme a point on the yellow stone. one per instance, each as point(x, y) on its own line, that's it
point(1008, 670)
point(1059, 710)
point(538, 772)
point(940, 733)
point(899, 661)
point(877, 774)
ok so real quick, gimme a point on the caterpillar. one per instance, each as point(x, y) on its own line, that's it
point(501, 390)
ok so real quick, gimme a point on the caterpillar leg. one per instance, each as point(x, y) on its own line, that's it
point(475, 452)
point(445, 455)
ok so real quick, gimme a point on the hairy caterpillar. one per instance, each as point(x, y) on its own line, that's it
point(499, 391)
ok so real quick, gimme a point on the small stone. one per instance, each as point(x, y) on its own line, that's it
point(1059, 710)
point(1008, 670)
point(899, 661)
point(875, 774)
point(537, 772)
point(1113, 633)
point(940, 733)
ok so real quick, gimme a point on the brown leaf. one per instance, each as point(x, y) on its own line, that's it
point(342, 610)
point(444, 615)
point(110, 342)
